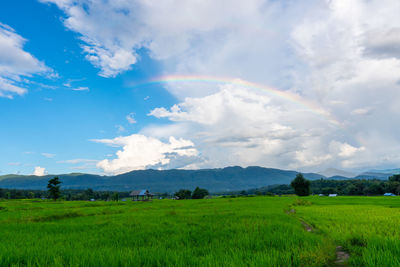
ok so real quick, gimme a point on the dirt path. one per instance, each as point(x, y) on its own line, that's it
point(342, 256)
point(306, 226)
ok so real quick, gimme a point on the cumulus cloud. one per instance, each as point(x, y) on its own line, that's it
point(342, 55)
point(39, 171)
point(238, 126)
point(140, 152)
point(15, 63)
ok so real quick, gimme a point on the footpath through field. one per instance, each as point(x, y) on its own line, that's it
point(365, 229)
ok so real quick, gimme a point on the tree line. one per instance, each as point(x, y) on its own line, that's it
point(65, 194)
point(351, 187)
point(54, 192)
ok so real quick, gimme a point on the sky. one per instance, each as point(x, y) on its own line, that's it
point(109, 87)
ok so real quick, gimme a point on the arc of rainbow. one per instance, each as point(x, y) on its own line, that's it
point(291, 97)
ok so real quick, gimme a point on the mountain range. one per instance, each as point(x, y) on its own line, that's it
point(215, 180)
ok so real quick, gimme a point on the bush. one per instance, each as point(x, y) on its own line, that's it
point(199, 193)
point(183, 194)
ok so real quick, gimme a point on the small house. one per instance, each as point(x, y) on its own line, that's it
point(389, 194)
point(332, 195)
point(142, 195)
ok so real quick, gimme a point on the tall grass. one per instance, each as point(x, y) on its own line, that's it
point(367, 227)
point(213, 232)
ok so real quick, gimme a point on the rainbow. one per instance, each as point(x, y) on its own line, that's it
point(288, 96)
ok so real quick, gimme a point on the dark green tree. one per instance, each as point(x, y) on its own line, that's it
point(89, 193)
point(395, 178)
point(183, 194)
point(115, 196)
point(54, 188)
point(374, 189)
point(300, 185)
point(199, 193)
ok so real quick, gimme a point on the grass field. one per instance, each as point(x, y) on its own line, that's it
point(252, 231)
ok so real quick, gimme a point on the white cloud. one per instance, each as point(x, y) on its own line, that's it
point(361, 111)
point(131, 118)
point(16, 64)
point(77, 161)
point(238, 126)
point(345, 150)
point(48, 155)
point(140, 152)
point(342, 55)
point(120, 128)
point(39, 171)
point(81, 88)
point(84, 164)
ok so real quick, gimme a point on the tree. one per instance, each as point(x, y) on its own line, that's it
point(183, 194)
point(115, 196)
point(89, 193)
point(199, 193)
point(300, 185)
point(374, 189)
point(395, 178)
point(54, 188)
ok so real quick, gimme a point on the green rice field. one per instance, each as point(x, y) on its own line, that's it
point(246, 231)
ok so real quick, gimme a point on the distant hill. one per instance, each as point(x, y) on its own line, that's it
point(215, 180)
point(373, 175)
point(387, 171)
point(336, 172)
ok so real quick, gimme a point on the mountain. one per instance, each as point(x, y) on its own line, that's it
point(387, 171)
point(336, 172)
point(373, 175)
point(215, 180)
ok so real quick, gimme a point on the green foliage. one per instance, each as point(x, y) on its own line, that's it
point(374, 189)
point(350, 187)
point(183, 194)
point(115, 196)
point(54, 188)
point(300, 185)
point(395, 178)
point(199, 193)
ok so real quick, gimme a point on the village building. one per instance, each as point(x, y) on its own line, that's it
point(389, 195)
point(141, 195)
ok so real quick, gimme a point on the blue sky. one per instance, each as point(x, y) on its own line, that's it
point(270, 83)
point(53, 118)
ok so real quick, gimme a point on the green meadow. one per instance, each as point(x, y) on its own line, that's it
point(246, 231)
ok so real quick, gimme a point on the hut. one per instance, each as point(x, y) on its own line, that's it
point(141, 195)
